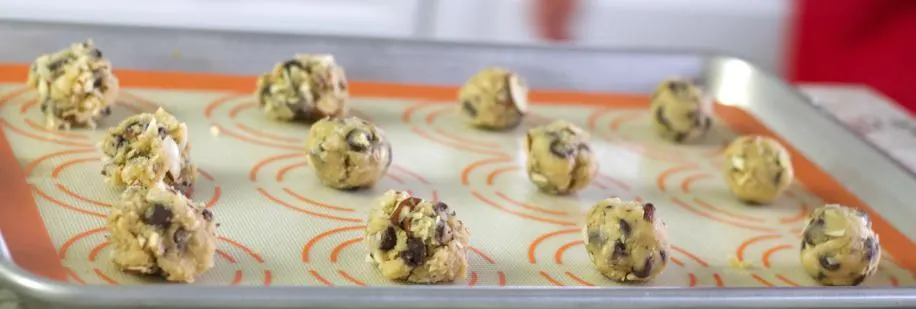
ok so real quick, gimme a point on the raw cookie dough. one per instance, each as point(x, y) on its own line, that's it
point(75, 86)
point(626, 240)
point(495, 98)
point(348, 153)
point(158, 231)
point(839, 246)
point(148, 148)
point(679, 113)
point(307, 87)
point(559, 158)
point(415, 240)
point(757, 169)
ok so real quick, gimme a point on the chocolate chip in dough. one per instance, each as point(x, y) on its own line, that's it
point(96, 53)
point(342, 85)
point(595, 237)
point(162, 132)
point(648, 212)
point(821, 276)
point(207, 214)
point(389, 239)
point(415, 254)
point(55, 65)
point(158, 215)
point(777, 178)
point(664, 256)
point(443, 232)
point(390, 155)
point(559, 149)
point(858, 280)
point(584, 147)
point(624, 228)
point(359, 140)
point(440, 208)
point(646, 270)
point(620, 250)
point(293, 63)
point(180, 238)
point(105, 111)
point(827, 264)
point(680, 137)
point(677, 86)
point(707, 123)
point(119, 141)
point(871, 248)
point(661, 119)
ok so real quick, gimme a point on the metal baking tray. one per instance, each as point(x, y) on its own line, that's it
point(526, 252)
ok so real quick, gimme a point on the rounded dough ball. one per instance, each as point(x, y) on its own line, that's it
point(757, 169)
point(75, 86)
point(494, 98)
point(348, 153)
point(679, 113)
point(158, 231)
point(559, 158)
point(626, 240)
point(416, 240)
point(147, 148)
point(307, 87)
point(839, 246)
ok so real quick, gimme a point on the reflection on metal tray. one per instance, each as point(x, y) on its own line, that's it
point(281, 228)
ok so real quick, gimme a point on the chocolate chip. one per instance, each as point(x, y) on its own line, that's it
point(53, 66)
point(96, 53)
point(97, 84)
point(646, 270)
point(158, 215)
point(560, 149)
point(443, 232)
point(390, 155)
point(620, 250)
point(777, 178)
point(858, 280)
point(105, 111)
point(648, 212)
point(664, 256)
point(871, 248)
point(661, 119)
point(207, 214)
point(595, 237)
point(162, 132)
point(181, 237)
point(677, 86)
point(389, 239)
point(826, 264)
point(415, 254)
point(584, 147)
point(289, 64)
point(821, 276)
point(680, 137)
point(624, 228)
point(359, 140)
point(342, 85)
point(469, 108)
point(707, 123)
point(44, 107)
point(440, 208)
point(804, 244)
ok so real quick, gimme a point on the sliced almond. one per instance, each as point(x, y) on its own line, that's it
point(518, 91)
point(172, 156)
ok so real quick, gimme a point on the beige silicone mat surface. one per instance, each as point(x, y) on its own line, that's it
point(279, 226)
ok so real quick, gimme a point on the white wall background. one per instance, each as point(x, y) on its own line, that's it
point(752, 29)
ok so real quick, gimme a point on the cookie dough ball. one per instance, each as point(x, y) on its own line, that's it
point(415, 240)
point(75, 86)
point(148, 148)
point(679, 113)
point(839, 246)
point(495, 98)
point(307, 87)
point(158, 231)
point(559, 158)
point(625, 240)
point(348, 153)
point(757, 169)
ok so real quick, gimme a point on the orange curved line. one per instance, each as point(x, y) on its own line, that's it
point(473, 280)
point(789, 194)
point(243, 138)
point(405, 116)
point(316, 203)
point(350, 278)
point(411, 173)
point(690, 255)
point(132, 108)
point(25, 107)
point(532, 248)
point(40, 138)
point(796, 231)
point(208, 111)
point(502, 278)
point(205, 174)
point(243, 248)
point(268, 277)
point(597, 182)
point(226, 256)
point(217, 192)
point(744, 244)
point(107, 279)
point(67, 164)
point(617, 121)
point(237, 279)
point(459, 139)
point(31, 123)
point(65, 205)
point(530, 207)
point(466, 172)
point(270, 136)
point(456, 145)
point(336, 252)
point(638, 199)
point(719, 282)
point(94, 253)
point(594, 115)
point(558, 256)
point(233, 112)
point(314, 240)
point(12, 95)
point(732, 223)
point(492, 176)
point(713, 208)
point(668, 172)
point(893, 280)
point(579, 280)
point(802, 213)
point(320, 278)
point(395, 178)
point(685, 184)
point(551, 279)
point(281, 174)
point(761, 280)
point(67, 244)
point(676, 261)
point(786, 280)
point(431, 116)
point(253, 175)
point(73, 275)
point(616, 181)
point(520, 214)
point(771, 251)
point(435, 196)
point(692, 280)
point(290, 206)
point(483, 255)
point(80, 198)
point(139, 99)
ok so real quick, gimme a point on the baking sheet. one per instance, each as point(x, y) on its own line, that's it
point(280, 226)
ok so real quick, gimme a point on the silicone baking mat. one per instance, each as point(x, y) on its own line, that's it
point(279, 226)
